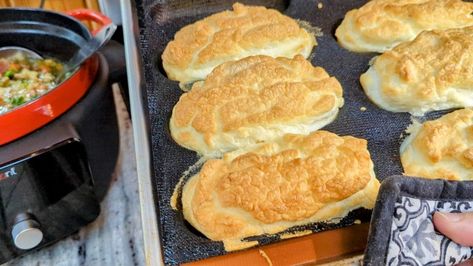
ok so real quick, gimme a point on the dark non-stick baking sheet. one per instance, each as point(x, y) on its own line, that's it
point(159, 21)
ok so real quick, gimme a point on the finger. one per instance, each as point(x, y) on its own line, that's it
point(456, 226)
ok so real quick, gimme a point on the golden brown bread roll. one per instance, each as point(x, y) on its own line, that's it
point(442, 148)
point(379, 25)
point(255, 99)
point(231, 35)
point(432, 72)
point(269, 188)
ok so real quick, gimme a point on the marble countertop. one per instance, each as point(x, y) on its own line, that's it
point(115, 237)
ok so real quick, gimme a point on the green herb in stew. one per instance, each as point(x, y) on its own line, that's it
point(23, 79)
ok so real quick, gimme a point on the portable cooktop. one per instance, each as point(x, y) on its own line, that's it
point(52, 180)
point(53, 177)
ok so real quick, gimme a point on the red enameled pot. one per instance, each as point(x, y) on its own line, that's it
point(50, 34)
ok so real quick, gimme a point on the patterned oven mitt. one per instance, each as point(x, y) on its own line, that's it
point(402, 232)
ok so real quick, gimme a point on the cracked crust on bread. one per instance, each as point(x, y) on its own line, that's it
point(255, 99)
point(269, 188)
point(380, 25)
point(441, 148)
point(231, 35)
point(432, 72)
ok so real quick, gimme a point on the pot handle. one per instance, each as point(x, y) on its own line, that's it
point(91, 15)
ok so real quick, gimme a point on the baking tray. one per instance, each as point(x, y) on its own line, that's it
point(159, 21)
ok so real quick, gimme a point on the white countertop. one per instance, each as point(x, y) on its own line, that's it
point(115, 237)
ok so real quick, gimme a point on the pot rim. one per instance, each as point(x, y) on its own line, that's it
point(85, 30)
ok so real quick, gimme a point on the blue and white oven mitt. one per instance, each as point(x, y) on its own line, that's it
point(402, 231)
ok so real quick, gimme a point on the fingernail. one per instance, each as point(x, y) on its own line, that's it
point(450, 216)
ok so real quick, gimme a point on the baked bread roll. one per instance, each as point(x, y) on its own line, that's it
point(255, 99)
point(441, 148)
point(231, 35)
point(432, 72)
point(269, 188)
point(380, 25)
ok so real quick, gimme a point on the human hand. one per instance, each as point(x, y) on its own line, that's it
point(456, 226)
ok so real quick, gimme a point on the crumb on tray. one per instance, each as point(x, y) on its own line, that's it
point(266, 257)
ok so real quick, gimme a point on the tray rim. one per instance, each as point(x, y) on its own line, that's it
point(149, 222)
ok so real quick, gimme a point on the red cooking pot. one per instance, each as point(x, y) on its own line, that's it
point(50, 34)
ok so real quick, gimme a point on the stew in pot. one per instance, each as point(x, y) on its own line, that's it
point(23, 79)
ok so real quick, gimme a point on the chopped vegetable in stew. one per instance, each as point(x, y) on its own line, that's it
point(23, 79)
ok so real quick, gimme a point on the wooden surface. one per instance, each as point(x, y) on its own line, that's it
point(56, 5)
point(312, 249)
point(59, 5)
